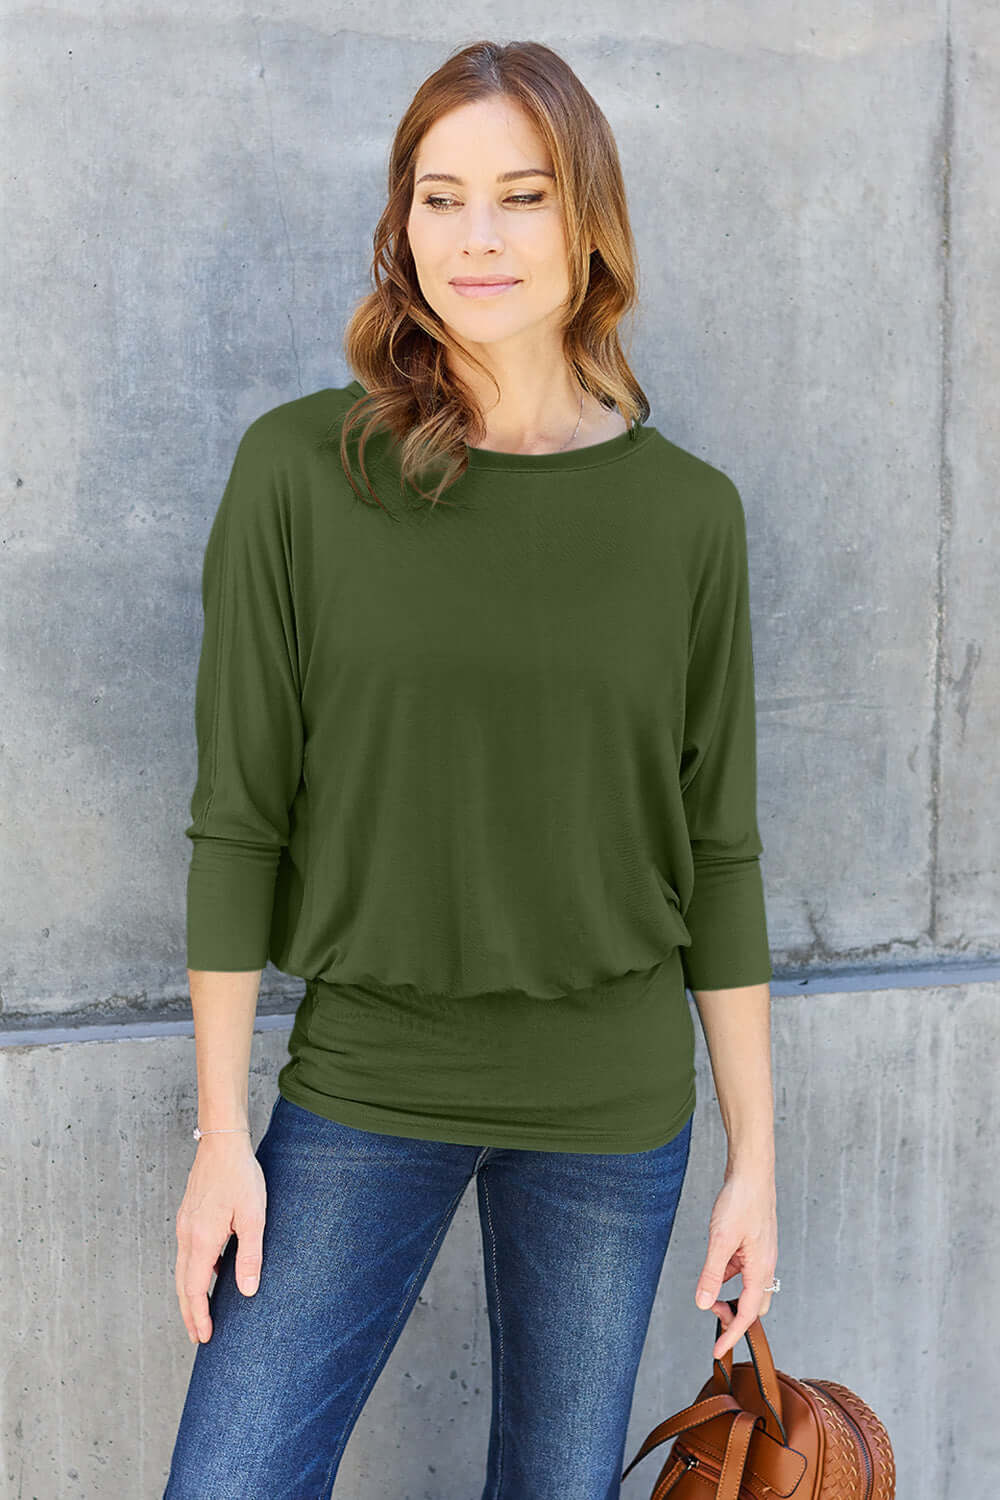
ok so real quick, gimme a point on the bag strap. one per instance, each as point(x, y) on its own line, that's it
point(690, 1416)
point(735, 1458)
point(737, 1444)
point(763, 1365)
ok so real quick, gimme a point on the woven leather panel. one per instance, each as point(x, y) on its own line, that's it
point(883, 1459)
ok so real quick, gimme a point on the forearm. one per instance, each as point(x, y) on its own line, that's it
point(737, 1026)
point(224, 1006)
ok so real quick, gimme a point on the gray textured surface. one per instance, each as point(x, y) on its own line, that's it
point(814, 196)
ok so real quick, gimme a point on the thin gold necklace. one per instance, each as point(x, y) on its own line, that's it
point(576, 429)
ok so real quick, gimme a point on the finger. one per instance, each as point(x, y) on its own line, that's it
point(183, 1230)
point(179, 1277)
point(196, 1278)
point(714, 1272)
point(747, 1311)
point(724, 1312)
point(727, 1318)
point(249, 1253)
point(729, 1339)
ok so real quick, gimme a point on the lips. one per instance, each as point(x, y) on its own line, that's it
point(484, 290)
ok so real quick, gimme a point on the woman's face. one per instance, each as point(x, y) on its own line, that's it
point(475, 224)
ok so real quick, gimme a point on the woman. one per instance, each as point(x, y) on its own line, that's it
point(479, 765)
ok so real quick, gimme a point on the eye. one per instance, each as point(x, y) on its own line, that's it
point(441, 202)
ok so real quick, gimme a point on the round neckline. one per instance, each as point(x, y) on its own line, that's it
point(594, 454)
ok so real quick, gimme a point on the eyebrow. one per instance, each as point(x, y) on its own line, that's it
point(501, 176)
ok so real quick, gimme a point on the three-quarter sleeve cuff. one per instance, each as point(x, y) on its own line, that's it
point(230, 892)
point(728, 925)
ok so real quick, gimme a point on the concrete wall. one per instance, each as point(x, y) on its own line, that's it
point(190, 196)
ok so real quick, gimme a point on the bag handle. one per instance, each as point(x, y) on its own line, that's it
point(724, 1401)
point(763, 1365)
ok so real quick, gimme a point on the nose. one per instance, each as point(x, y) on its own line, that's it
point(481, 230)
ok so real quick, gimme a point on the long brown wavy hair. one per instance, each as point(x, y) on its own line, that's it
point(396, 343)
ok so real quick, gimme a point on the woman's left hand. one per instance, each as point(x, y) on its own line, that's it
point(742, 1237)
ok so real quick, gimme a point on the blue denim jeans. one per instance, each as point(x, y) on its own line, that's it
point(573, 1250)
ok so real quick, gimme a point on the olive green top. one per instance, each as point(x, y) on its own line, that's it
point(483, 775)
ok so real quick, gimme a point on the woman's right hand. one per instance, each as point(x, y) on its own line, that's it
point(225, 1195)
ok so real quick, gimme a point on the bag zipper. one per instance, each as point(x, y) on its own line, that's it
point(862, 1441)
point(684, 1461)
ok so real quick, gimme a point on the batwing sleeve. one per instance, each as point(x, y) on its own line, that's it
point(248, 718)
point(726, 914)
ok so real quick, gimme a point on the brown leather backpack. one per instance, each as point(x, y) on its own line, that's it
point(755, 1433)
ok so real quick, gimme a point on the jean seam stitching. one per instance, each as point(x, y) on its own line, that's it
point(496, 1292)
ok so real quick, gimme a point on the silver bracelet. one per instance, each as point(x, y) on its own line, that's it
point(234, 1131)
